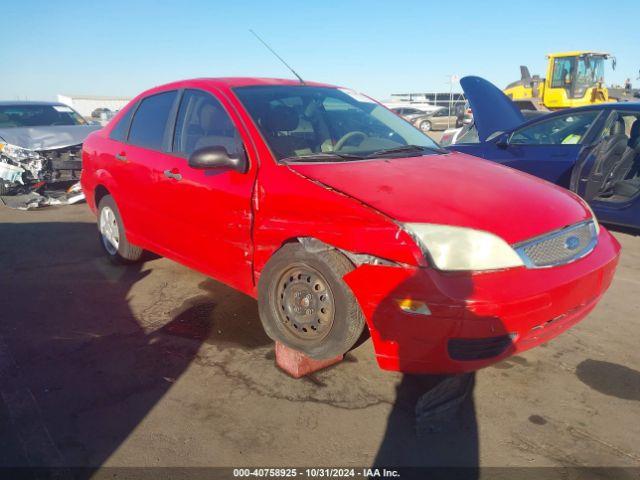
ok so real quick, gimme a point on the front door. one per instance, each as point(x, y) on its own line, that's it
point(597, 174)
point(209, 209)
point(548, 148)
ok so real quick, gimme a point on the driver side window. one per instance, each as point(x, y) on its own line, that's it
point(562, 130)
point(203, 122)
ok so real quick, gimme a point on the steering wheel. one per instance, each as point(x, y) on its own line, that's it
point(348, 136)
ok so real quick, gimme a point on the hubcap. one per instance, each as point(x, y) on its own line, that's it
point(425, 126)
point(109, 230)
point(305, 303)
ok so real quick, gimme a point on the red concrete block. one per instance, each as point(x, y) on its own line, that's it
point(297, 364)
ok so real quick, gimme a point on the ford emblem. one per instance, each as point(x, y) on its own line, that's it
point(572, 242)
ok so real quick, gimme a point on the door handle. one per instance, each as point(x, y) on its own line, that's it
point(122, 157)
point(173, 174)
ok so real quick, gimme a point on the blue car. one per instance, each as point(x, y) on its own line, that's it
point(593, 151)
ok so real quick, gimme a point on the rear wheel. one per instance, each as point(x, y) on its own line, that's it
point(112, 235)
point(305, 304)
point(425, 126)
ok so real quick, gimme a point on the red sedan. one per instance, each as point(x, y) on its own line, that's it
point(335, 214)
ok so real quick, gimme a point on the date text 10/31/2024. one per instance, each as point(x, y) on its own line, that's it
point(315, 473)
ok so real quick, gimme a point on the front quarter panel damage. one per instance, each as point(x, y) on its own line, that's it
point(296, 208)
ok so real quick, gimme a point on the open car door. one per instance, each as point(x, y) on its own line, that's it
point(606, 174)
point(585, 180)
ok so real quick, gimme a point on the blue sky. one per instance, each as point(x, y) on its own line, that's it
point(123, 47)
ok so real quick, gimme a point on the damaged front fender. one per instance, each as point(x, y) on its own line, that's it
point(313, 245)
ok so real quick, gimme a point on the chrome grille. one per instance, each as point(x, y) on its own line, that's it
point(559, 247)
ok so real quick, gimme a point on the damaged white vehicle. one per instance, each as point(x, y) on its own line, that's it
point(40, 143)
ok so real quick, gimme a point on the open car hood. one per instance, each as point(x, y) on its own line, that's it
point(453, 189)
point(46, 137)
point(492, 110)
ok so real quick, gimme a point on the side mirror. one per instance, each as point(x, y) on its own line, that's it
point(503, 141)
point(216, 157)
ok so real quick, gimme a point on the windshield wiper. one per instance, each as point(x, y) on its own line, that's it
point(406, 149)
point(323, 157)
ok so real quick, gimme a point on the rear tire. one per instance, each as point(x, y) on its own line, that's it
point(305, 304)
point(112, 234)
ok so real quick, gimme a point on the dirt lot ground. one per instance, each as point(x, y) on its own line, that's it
point(157, 365)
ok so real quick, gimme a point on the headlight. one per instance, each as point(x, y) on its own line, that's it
point(593, 217)
point(457, 248)
point(29, 160)
point(18, 154)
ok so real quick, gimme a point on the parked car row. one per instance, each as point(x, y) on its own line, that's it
point(439, 119)
point(335, 213)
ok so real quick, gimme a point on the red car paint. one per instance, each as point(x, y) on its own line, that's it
point(228, 225)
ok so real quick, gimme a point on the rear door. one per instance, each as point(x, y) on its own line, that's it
point(143, 161)
point(209, 210)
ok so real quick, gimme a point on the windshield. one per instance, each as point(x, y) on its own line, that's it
point(301, 122)
point(589, 71)
point(38, 116)
point(577, 74)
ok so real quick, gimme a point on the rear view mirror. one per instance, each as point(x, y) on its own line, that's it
point(216, 156)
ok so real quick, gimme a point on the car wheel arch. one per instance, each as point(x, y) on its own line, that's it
point(315, 245)
point(99, 192)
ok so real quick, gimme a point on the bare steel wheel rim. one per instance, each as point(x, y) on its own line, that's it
point(109, 230)
point(305, 303)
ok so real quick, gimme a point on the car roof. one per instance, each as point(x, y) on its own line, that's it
point(232, 82)
point(601, 106)
point(635, 106)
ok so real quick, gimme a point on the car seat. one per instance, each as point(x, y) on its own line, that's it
point(629, 163)
point(217, 130)
point(280, 121)
point(611, 149)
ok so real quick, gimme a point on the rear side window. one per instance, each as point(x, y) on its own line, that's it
point(119, 132)
point(150, 121)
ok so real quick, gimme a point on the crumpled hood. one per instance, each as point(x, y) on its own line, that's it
point(47, 137)
point(454, 189)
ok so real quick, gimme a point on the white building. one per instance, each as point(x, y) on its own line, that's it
point(85, 104)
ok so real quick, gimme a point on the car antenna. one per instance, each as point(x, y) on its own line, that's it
point(278, 56)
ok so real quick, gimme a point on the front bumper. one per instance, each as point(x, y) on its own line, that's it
point(475, 320)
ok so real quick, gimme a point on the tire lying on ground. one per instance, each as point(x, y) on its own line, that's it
point(112, 235)
point(305, 304)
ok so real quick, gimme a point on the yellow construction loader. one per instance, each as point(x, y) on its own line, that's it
point(574, 79)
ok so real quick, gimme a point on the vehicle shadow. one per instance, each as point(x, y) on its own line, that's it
point(433, 422)
point(78, 372)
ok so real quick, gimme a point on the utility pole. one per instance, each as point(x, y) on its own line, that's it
point(452, 78)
